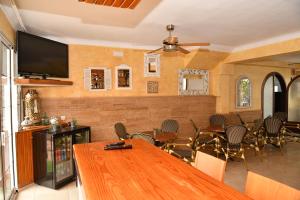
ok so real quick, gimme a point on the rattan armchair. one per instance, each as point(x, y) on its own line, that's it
point(146, 137)
point(274, 133)
point(234, 147)
point(121, 132)
point(217, 120)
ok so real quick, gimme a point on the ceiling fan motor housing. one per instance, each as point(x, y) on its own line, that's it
point(171, 40)
point(170, 27)
point(170, 47)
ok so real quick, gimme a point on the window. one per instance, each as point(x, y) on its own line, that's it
point(97, 78)
point(243, 88)
point(123, 77)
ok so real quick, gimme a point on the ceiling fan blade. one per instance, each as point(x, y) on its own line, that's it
point(183, 50)
point(203, 50)
point(194, 44)
point(154, 50)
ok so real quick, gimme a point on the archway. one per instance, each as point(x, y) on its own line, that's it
point(273, 94)
point(293, 105)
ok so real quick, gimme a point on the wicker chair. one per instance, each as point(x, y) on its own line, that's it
point(255, 135)
point(234, 145)
point(121, 131)
point(281, 115)
point(217, 120)
point(142, 136)
point(169, 125)
point(273, 131)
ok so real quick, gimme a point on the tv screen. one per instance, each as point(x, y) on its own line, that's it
point(41, 56)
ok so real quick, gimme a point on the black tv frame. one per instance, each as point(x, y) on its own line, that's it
point(43, 75)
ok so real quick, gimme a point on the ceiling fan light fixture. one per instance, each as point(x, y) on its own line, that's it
point(170, 48)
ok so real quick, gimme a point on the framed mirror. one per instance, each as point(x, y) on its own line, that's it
point(123, 77)
point(193, 82)
point(151, 65)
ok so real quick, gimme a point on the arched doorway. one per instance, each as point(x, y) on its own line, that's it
point(293, 106)
point(273, 94)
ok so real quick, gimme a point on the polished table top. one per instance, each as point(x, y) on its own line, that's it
point(144, 172)
point(162, 137)
point(217, 129)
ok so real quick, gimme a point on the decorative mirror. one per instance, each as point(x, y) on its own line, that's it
point(243, 92)
point(97, 78)
point(151, 65)
point(193, 82)
point(123, 77)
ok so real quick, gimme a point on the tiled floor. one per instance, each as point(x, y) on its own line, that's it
point(36, 192)
point(284, 168)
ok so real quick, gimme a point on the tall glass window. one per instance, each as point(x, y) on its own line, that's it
point(243, 92)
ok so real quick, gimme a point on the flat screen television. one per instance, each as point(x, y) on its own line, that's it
point(39, 56)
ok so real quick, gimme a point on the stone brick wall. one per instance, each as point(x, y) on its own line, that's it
point(137, 113)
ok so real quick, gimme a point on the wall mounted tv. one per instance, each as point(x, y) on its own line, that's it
point(39, 56)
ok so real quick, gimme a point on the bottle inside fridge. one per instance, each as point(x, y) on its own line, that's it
point(64, 163)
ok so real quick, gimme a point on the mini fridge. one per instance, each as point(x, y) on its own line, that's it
point(53, 155)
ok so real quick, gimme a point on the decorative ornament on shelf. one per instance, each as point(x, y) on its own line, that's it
point(73, 123)
point(26, 123)
point(54, 123)
point(32, 106)
point(45, 119)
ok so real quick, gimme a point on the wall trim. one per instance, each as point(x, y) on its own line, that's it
point(12, 13)
point(273, 40)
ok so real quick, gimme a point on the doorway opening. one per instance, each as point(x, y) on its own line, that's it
point(274, 94)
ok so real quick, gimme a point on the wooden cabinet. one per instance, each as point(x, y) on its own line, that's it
point(24, 155)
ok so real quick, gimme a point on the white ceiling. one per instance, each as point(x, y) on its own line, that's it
point(227, 24)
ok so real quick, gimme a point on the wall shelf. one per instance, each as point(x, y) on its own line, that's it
point(42, 82)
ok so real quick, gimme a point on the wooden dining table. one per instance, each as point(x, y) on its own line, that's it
point(216, 129)
point(143, 172)
point(162, 137)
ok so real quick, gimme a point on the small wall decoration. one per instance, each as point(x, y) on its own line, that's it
point(97, 78)
point(123, 77)
point(193, 82)
point(152, 87)
point(151, 65)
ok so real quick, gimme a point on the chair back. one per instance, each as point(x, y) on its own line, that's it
point(121, 131)
point(217, 120)
point(210, 165)
point(235, 134)
point(262, 188)
point(281, 115)
point(146, 137)
point(258, 123)
point(169, 126)
point(273, 125)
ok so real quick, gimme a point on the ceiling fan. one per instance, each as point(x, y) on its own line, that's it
point(170, 44)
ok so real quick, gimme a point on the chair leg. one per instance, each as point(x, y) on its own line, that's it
point(245, 162)
point(280, 147)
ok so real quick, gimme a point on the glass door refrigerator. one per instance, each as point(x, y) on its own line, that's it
point(53, 155)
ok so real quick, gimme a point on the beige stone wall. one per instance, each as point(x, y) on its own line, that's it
point(6, 28)
point(82, 56)
point(137, 113)
point(226, 76)
point(289, 46)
